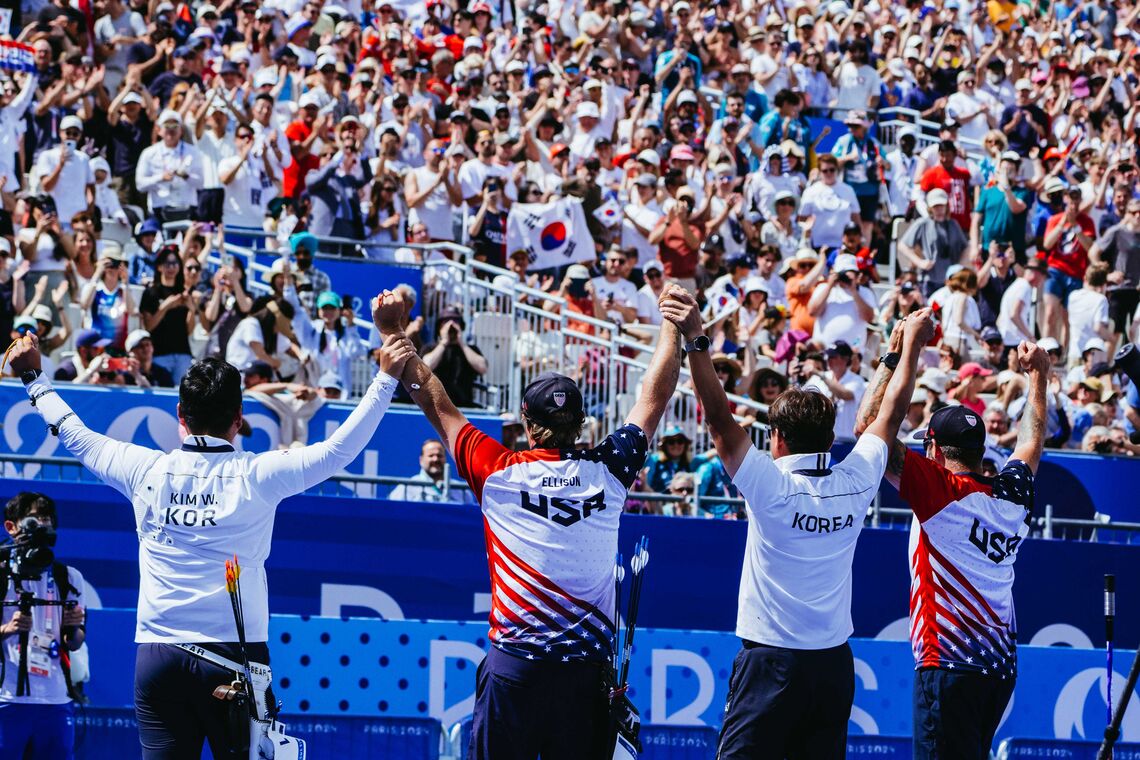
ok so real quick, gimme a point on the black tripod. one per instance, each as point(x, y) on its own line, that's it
point(25, 601)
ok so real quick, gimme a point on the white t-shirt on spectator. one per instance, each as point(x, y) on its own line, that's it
point(128, 24)
point(474, 172)
point(856, 86)
point(238, 352)
point(832, 207)
point(647, 310)
point(845, 411)
point(1088, 310)
point(70, 191)
point(248, 194)
point(956, 309)
point(1019, 293)
point(45, 247)
point(623, 291)
point(840, 319)
point(961, 104)
point(647, 217)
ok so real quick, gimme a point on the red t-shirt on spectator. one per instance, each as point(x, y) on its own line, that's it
point(956, 183)
point(1068, 255)
point(294, 174)
point(678, 258)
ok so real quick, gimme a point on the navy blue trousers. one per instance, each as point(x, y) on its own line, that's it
point(957, 714)
point(527, 708)
point(174, 703)
point(788, 703)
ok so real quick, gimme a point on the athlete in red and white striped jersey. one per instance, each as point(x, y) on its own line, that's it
point(964, 540)
point(551, 524)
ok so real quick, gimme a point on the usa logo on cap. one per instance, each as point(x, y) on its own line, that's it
point(559, 398)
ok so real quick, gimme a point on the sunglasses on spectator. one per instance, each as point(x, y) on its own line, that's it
point(25, 329)
point(770, 383)
point(829, 170)
point(653, 274)
point(193, 268)
point(244, 135)
point(439, 151)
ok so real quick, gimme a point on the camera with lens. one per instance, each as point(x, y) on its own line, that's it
point(845, 278)
point(30, 554)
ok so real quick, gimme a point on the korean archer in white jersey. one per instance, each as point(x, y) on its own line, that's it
point(194, 508)
point(551, 526)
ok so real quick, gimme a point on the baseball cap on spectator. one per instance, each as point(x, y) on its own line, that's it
point(937, 197)
point(587, 109)
point(1023, 84)
point(856, 119)
point(791, 148)
point(755, 33)
point(910, 132)
point(740, 68)
point(70, 122)
point(852, 228)
point(911, 53)
point(1049, 344)
point(207, 10)
point(162, 8)
point(577, 272)
point(735, 261)
point(1094, 344)
point(515, 65)
point(1054, 185)
point(505, 138)
point(957, 426)
point(24, 322)
point(897, 67)
point(845, 262)
point(646, 180)
point(309, 100)
point(991, 334)
point(42, 313)
point(86, 338)
point(5, 246)
point(840, 348)
point(265, 76)
point(326, 60)
point(481, 7)
point(673, 432)
point(1010, 155)
point(135, 338)
point(973, 369)
point(228, 67)
point(783, 195)
point(259, 369)
point(755, 284)
point(552, 400)
point(713, 242)
point(681, 153)
point(653, 265)
point(148, 226)
point(687, 96)
point(184, 51)
point(168, 116)
point(328, 298)
point(295, 24)
point(112, 251)
point(650, 157)
point(805, 21)
point(330, 381)
point(640, 18)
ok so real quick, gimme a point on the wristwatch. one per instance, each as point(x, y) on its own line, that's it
point(891, 359)
point(699, 343)
point(27, 378)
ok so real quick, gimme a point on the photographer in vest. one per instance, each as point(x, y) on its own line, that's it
point(37, 712)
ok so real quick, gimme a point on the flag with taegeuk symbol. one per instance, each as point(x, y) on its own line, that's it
point(553, 234)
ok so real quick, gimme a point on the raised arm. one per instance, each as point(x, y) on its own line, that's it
point(730, 439)
point(918, 329)
point(119, 465)
point(1031, 437)
point(660, 381)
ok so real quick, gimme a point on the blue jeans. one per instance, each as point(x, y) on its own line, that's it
point(45, 732)
point(176, 364)
point(1061, 285)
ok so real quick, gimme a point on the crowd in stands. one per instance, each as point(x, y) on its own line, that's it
point(730, 146)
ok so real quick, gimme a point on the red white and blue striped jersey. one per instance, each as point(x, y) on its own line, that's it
point(963, 543)
point(551, 522)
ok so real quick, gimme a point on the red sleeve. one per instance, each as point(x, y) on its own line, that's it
point(926, 184)
point(477, 456)
point(927, 487)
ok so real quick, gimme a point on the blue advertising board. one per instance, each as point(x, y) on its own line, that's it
point(353, 556)
point(361, 278)
point(352, 667)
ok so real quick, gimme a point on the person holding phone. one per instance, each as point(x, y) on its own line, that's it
point(169, 313)
point(65, 172)
point(457, 363)
point(106, 302)
point(488, 228)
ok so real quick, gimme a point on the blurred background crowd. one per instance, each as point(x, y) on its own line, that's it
point(814, 171)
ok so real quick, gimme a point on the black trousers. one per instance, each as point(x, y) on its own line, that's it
point(956, 714)
point(526, 708)
point(788, 703)
point(174, 703)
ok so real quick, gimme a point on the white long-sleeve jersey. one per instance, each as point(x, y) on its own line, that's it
point(203, 503)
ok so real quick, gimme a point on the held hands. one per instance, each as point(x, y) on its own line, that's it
point(388, 313)
point(25, 354)
point(394, 354)
point(1032, 358)
point(679, 307)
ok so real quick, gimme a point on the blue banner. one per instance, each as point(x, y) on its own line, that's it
point(362, 278)
point(324, 666)
point(149, 418)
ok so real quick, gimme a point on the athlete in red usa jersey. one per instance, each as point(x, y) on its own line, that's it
point(964, 539)
point(551, 526)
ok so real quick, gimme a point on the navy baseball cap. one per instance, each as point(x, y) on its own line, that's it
point(91, 339)
point(840, 348)
point(552, 400)
point(957, 426)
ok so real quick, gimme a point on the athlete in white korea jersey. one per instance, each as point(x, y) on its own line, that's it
point(551, 523)
point(964, 539)
point(194, 508)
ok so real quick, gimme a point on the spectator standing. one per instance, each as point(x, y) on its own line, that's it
point(954, 180)
point(995, 275)
point(250, 179)
point(678, 240)
point(844, 387)
point(169, 313)
point(106, 301)
point(972, 108)
point(617, 294)
point(334, 193)
point(1023, 122)
point(262, 336)
point(648, 295)
point(170, 172)
point(332, 338)
point(432, 190)
point(828, 205)
point(487, 229)
point(807, 268)
point(65, 173)
point(934, 243)
point(1069, 236)
point(1003, 209)
point(1089, 312)
point(841, 307)
point(302, 134)
point(1016, 313)
point(861, 159)
point(858, 84)
point(457, 363)
point(1120, 245)
point(311, 280)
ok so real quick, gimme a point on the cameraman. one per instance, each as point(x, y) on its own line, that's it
point(40, 724)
